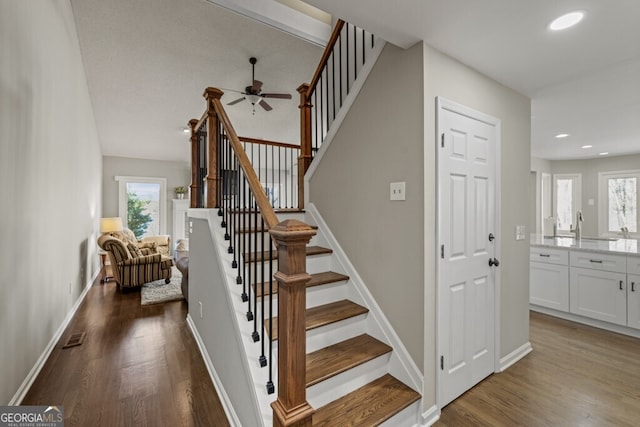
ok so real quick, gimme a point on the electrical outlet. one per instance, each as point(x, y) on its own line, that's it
point(201, 314)
point(521, 231)
point(397, 191)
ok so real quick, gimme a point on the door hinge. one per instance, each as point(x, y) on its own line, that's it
point(442, 363)
point(442, 140)
point(442, 251)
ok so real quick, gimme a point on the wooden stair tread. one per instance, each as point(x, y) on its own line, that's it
point(337, 358)
point(369, 406)
point(251, 229)
point(324, 315)
point(260, 256)
point(317, 279)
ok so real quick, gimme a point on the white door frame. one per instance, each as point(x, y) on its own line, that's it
point(443, 103)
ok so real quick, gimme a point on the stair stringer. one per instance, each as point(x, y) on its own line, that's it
point(259, 400)
point(401, 365)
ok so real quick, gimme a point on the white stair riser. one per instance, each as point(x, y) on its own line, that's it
point(346, 382)
point(316, 295)
point(315, 264)
point(335, 332)
point(407, 417)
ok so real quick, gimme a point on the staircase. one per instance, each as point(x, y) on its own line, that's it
point(351, 371)
point(356, 371)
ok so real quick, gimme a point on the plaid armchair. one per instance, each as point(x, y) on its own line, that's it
point(130, 267)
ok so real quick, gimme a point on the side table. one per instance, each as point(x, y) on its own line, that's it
point(106, 268)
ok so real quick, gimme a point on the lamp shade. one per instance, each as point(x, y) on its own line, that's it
point(109, 225)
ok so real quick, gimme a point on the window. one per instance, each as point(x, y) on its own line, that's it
point(142, 204)
point(618, 195)
point(567, 200)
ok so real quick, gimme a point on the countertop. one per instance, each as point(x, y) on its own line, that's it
point(620, 246)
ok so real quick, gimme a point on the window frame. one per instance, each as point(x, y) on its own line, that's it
point(576, 193)
point(122, 198)
point(603, 206)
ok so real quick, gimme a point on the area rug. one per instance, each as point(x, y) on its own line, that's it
point(158, 292)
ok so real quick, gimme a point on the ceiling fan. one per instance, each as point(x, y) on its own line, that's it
point(254, 92)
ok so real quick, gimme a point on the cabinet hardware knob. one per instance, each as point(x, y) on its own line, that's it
point(597, 261)
point(545, 255)
point(620, 284)
point(633, 286)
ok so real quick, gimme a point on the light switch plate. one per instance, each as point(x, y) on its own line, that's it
point(397, 191)
point(521, 231)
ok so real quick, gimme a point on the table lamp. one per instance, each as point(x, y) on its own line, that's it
point(110, 225)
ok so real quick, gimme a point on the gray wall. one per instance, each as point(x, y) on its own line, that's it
point(449, 78)
point(379, 142)
point(176, 173)
point(590, 168)
point(50, 170)
point(389, 135)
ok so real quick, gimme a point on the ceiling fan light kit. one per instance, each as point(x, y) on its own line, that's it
point(254, 92)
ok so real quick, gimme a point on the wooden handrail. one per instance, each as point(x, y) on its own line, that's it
point(325, 56)
point(269, 215)
point(267, 142)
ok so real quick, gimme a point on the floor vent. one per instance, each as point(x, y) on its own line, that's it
point(74, 340)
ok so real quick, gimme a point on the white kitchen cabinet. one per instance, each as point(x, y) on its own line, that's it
point(633, 301)
point(598, 294)
point(549, 277)
point(549, 285)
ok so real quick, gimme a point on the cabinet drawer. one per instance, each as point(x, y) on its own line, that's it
point(599, 261)
point(549, 255)
point(633, 264)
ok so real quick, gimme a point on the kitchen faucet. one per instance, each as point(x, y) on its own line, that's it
point(578, 229)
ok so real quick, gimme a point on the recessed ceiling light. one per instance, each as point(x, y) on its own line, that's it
point(566, 21)
point(586, 146)
point(562, 135)
point(604, 153)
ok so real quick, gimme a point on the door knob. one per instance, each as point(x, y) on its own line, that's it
point(494, 261)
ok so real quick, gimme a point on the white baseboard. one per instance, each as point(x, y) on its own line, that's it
point(514, 356)
point(430, 416)
point(232, 417)
point(35, 371)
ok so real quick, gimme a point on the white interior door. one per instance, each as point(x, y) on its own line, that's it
point(467, 238)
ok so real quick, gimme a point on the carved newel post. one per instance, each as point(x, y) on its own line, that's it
point(213, 174)
point(291, 408)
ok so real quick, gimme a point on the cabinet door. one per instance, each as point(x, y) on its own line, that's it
point(633, 301)
point(598, 294)
point(549, 285)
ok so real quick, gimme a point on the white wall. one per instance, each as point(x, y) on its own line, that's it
point(50, 170)
point(446, 77)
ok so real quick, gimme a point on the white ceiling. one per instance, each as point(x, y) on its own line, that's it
point(148, 62)
point(584, 81)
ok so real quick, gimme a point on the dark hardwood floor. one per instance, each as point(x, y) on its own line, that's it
point(575, 376)
point(138, 366)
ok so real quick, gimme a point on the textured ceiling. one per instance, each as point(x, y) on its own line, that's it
point(149, 61)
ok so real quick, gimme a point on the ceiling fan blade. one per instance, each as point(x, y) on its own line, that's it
point(276, 95)
point(264, 105)
point(232, 90)
point(236, 101)
point(257, 85)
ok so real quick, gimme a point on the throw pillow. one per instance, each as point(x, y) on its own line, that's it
point(134, 250)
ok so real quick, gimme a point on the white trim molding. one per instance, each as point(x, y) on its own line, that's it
point(513, 357)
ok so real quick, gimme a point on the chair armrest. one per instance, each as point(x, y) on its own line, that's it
point(143, 260)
